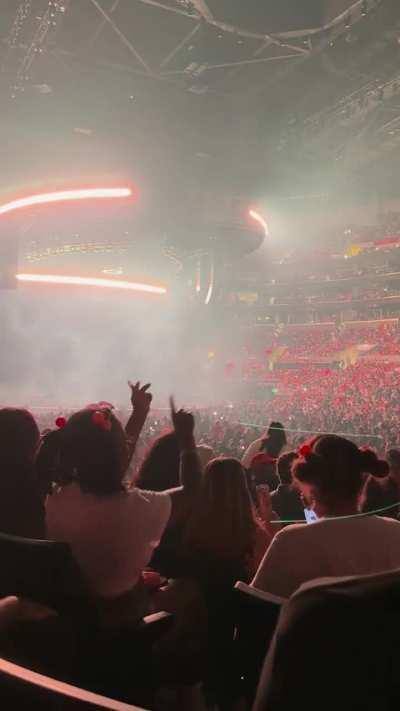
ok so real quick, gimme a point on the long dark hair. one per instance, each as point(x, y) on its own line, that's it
point(19, 441)
point(21, 505)
point(85, 453)
point(223, 523)
point(160, 468)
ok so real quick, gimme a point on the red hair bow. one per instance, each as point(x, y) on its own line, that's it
point(100, 419)
point(60, 422)
point(305, 451)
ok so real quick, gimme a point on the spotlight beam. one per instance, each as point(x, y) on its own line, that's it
point(63, 196)
point(91, 281)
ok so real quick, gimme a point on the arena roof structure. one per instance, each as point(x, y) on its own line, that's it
point(221, 46)
point(302, 84)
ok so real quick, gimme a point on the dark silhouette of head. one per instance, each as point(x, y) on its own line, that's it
point(284, 467)
point(160, 468)
point(275, 439)
point(85, 452)
point(21, 507)
point(19, 440)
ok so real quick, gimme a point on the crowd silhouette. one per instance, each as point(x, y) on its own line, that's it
point(165, 513)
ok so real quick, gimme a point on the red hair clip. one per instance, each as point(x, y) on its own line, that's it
point(305, 451)
point(100, 419)
point(60, 422)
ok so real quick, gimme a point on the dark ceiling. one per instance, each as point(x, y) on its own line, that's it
point(242, 96)
point(222, 46)
point(271, 16)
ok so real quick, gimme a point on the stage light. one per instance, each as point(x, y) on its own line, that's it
point(210, 284)
point(63, 196)
point(90, 281)
point(258, 218)
point(198, 277)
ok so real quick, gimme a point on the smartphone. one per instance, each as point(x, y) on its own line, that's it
point(310, 516)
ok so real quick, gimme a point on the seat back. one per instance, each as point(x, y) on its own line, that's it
point(44, 571)
point(337, 645)
point(256, 617)
point(24, 689)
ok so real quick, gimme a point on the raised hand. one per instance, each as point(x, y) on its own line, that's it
point(183, 422)
point(140, 398)
point(266, 513)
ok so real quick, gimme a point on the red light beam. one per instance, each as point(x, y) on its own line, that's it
point(91, 281)
point(64, 196)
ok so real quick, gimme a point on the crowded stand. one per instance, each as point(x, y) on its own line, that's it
point(313, 340)
point(167, 513)
point(185, 532)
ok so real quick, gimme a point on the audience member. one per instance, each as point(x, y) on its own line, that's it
point(269, 446)
point(262, 470)
point(286, 501)
point(221, 532)
point(222, 542)
point(205, 522)
point(92, 510)
point(21, 506)
point(223, 528)
point(329, 473)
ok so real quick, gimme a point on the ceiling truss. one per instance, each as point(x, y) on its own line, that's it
point(271, 48)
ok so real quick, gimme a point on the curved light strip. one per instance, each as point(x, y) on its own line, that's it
point(90, 281)
point(63, 196)
point(259, 218)
point(198, 277)
point(210, 284)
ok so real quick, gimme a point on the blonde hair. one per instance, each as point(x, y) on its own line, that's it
point(223, 522)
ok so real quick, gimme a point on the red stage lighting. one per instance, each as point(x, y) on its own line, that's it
point(90, 281)
point(63, 196)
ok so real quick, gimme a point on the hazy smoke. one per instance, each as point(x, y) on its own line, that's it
point(69, 347)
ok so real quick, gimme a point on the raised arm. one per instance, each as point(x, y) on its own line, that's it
point(190, 468)
point(183, 497)
point(141, 401)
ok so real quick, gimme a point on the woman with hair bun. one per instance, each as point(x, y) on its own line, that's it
point(330, 472)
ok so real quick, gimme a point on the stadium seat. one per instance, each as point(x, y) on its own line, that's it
point(44, 571)
point(337, 646)
point(256, 616)
point(73, 646)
